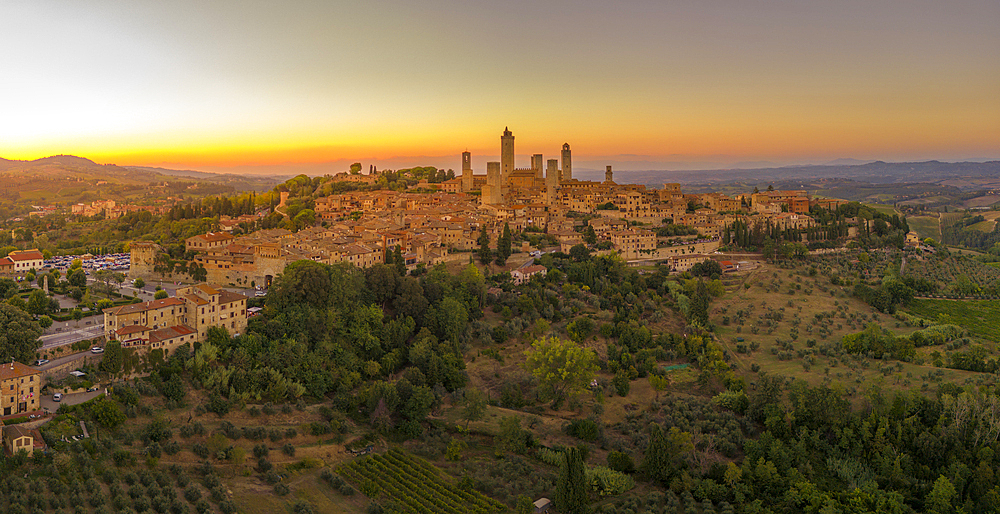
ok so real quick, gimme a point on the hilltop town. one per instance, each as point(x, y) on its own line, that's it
point(446, 220)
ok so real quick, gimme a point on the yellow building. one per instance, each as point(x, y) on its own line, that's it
point(17, 438)
point(168, 323)
point(634, 243)
point(20, 388)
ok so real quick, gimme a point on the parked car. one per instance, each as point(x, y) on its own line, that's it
point(97, 349)
point(57, 397)
point(92, 389)
point(41, 362)
point(260, 293)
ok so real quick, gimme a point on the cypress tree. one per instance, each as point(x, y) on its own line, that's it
point(656, 461)
point(485, 254)
point(571, 487)
point(397, 257)
point(503, 246)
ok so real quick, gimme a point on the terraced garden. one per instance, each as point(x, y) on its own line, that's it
point(415, 486)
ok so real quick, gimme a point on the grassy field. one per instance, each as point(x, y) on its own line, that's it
point(984, 226)
point(925, 226)
point(771, 291)
point(978, 316)
point(884, 209)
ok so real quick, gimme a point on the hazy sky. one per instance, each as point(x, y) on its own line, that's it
point(208, 84)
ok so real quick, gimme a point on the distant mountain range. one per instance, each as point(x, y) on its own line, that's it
point(67, 166)
point(963, 175)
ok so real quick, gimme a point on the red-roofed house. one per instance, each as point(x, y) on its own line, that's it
point(25, 260)
point(522, 275)
point(206, 242)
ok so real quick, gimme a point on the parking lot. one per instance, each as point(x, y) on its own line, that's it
point(69, 399)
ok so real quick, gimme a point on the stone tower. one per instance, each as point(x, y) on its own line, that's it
point(142, 258)
point(608, 175)
point(491, 191)
point(552, 182)
point(506, 156)
point(467, 181)
point(536, 164)
point(567, 163)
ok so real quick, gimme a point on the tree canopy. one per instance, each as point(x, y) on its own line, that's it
point(19, 337)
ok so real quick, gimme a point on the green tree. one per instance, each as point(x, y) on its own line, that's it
point(139, 283)
point(18, 303)
point(579, 253)
point(19, 337)
point(173, 388)
point(38, 302)
point(304, 219)
point(512, 437)
point(504, 246)
point(44, 322)
point(662, 458)
point(107, 412)
point(590, 236)
point(561, 366)
point(399, 261)
point(77, 277)
point(571, 486)
point(474, 407)
point(77, 316)
point(485, 254)
point(8, 287)
point(113, 359)
point(938, 501)
point(659, 383)
point(161, 294)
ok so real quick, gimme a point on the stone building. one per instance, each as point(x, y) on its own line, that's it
point(168, 323)
point(20, 388)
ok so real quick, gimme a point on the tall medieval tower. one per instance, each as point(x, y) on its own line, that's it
point(567, 163)
point(492, 194)
point(536, 164)
point(552, 182)
point(467, 180)
point(506, 156)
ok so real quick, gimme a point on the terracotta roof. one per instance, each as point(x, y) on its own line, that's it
point(145, 306)
point(164, 334)
point(131, 329)
point(207, 289)
point(212, 237)
point(197, 300)
point(534, 268)
point(16, 370)
point(26, 255)
point(229, 297)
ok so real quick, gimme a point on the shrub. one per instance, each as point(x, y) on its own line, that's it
point(620, 461)
point(586, 429)
point(288, 449)
point(200, 450)
point(192, 494)
point(281, 489)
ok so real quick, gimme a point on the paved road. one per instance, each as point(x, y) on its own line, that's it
point(62, 360)
point(69, 399)
point(64, 338)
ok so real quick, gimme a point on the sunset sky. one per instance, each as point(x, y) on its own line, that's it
point(253, 85)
